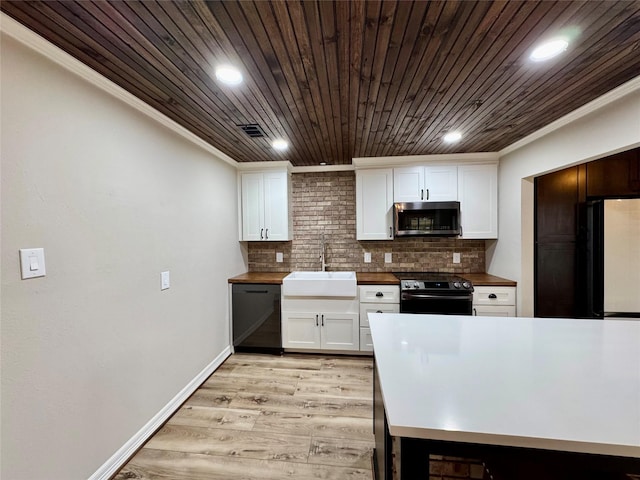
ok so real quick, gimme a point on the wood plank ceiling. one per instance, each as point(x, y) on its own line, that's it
point(344, 79)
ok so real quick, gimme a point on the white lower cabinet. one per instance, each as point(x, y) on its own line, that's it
point(494, 301)
point(321, 330)
point(375, 299)
point(366, 343)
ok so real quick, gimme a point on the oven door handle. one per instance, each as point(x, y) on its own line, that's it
point(411, 296)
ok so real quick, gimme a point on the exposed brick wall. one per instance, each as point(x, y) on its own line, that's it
point(324, 202)
point(454, 468)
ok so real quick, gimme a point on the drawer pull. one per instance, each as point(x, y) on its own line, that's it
point(379, 294)
point(378, 311)
point(493, 295)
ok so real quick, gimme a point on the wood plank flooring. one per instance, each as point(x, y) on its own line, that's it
point(267, 417)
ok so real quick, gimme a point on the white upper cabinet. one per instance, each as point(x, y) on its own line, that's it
point(441, 183)
point(425, 184)
point(374, 204)
point(478, 196)
point(265, 206)
point(408, 184)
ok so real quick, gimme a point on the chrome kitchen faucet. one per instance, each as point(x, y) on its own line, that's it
point(322, 253)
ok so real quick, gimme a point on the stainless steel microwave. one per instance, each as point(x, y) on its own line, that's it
point(426, 219)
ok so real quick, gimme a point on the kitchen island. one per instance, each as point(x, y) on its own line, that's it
point(511, 390)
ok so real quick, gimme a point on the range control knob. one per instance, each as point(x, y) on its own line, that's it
point(416, 285)
point(456, 284)
point(466, 285)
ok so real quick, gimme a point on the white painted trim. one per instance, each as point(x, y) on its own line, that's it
point(34, 41)
point(324, 168)
point(600, 102)
point(118, 459)
point(444, 159)
point(242, 166)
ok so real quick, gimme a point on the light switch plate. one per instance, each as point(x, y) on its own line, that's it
point(279, 257)
point(456, 257)
point(367, 257)
point(165, 280)
point(387, 257)
point(32, 262)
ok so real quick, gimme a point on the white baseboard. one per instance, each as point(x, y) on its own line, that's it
point(118, 459)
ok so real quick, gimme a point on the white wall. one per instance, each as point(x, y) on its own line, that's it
point(94, 350)
point(610, 129)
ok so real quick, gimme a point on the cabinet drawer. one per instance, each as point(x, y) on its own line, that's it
point(494, 310)
point(494, 295)
point(366, 308)
point(366, 344)
point(379, 293)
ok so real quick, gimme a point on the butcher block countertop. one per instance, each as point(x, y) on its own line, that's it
point(369, 278)
point(274, 278)
point(485, 279)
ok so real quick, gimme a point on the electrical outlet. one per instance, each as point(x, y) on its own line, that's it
point(165, 280)
point(456, 257)
point(367, 257)
point(279, 257)
point(387, 257)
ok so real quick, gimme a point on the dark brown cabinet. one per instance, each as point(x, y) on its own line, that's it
point(558, 196)
point(614, 176)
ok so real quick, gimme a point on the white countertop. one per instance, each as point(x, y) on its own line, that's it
point(561, 384)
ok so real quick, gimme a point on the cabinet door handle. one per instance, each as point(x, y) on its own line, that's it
point(266, 234)
point(427, 194)
point(390, 232)
point(422, 193)
point(475, 312)
point(322, 320)
point(461, 232)
point(316, 320)
point(493, 295)
point(379, 294)
point(261, 230)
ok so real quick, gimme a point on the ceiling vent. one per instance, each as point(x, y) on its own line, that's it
point(253, 130)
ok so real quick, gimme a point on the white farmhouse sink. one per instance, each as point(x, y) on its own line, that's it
point(320, 284)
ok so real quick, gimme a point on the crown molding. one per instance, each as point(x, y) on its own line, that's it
point(324, 168)
point(37, 43)
point(600, 102)
point(280, 164)
point(442, 159)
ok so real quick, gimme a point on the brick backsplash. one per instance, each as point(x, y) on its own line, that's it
point(324, 202)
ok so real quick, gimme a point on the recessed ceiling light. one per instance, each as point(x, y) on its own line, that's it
point(452, 137)
point(280, 144)
point(549, 49)
point(229, 75)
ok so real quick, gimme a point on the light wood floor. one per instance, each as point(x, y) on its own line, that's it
point(267, 417)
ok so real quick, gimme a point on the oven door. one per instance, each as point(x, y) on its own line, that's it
point(438, 303)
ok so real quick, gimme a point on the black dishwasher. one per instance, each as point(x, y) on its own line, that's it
point(256, 320)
